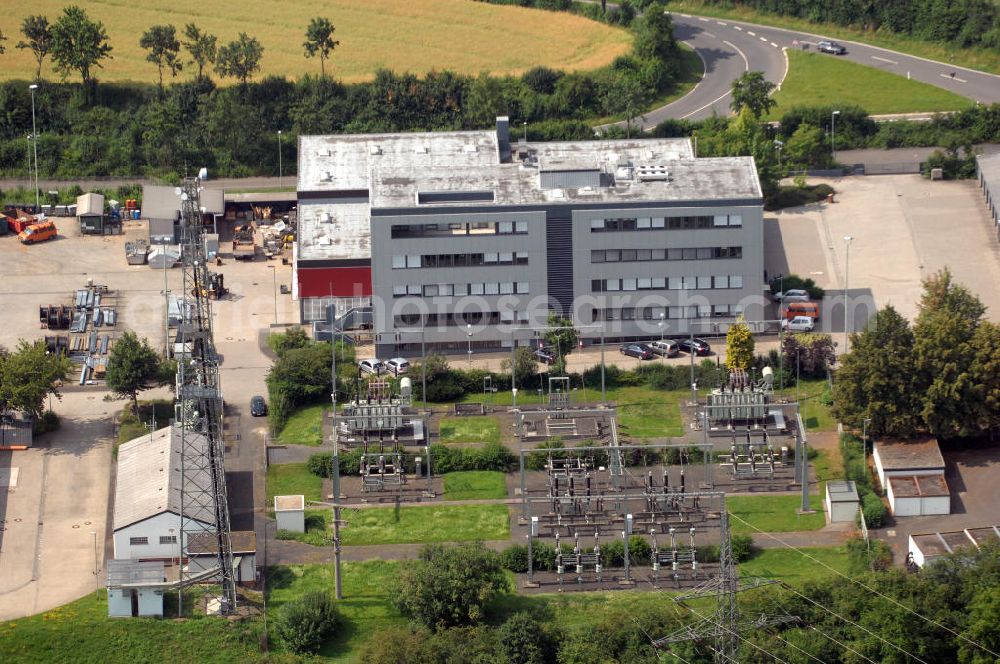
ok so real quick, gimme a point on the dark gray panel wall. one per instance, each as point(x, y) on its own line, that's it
point(559, 264)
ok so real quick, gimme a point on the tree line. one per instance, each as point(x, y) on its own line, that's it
point(958, 22)
point(181, 124)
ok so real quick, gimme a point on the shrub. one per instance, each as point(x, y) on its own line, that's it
point(742, 548)
point(873, 509)
point(320, 464)
point(305, 623)
point(522, 640)
point(707, 553)
point(492, 456)
point(543, 556)
point(515, 558)
point(795, 282)
point(49, 421)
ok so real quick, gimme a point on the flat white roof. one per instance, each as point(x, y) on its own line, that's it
point(289, 503)
point(334, 231)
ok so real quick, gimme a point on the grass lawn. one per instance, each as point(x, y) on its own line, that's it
point(304, 427)
point(475, 485)
point(366, 607)
point(817, 79)
point(292, 479)
point(132, 426)
point(975, 58)
point(793, 567)
point(452, 523)
point(318, 529)
point(403, 35)
point(470, 429)
point(810, 395)
point(82, 631)
point(773, 514)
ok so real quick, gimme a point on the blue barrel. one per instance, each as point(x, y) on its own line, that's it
point(135, 214)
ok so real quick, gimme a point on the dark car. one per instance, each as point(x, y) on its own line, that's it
point(831, 47)
point(545, 355)
point(641, 351)
point(258, 407)
point(695, 346)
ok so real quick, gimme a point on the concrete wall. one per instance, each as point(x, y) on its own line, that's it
point(293, 521)
point(919, 505)
point(152, 529)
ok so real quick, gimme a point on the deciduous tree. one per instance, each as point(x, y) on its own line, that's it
point(319, 41)
point(164, 49)
point(133, 367)
point(807, 147)
point(239, 59)
point(561, 336)
point(79, 44)
point(202, 46)
point(28, 375)
point(751, 90)
point(38, 36)
point(525, 364)
point(306, 622)
point(739, 345)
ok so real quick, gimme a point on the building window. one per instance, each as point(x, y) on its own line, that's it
point(522, 288)
point(398, 262)
point(138, 541)
point(168, 539)
point(736, 281)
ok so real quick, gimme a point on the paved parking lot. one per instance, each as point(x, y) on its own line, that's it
point(62, 493)
point(905, 228)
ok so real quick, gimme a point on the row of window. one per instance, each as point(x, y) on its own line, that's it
point(460, 229)
point(658, 313)
point(164, 539)
point(460, 319)
point(665, 223)
point(410, 261)
point(435, 290)
point(640, 255)
point(666, 283)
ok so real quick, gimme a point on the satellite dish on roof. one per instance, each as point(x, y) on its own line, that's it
point(203, 174)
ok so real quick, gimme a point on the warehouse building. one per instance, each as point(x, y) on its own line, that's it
point(988, 173)
point(147, 520)
point(465, 240)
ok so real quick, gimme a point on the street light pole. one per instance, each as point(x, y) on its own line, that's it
point(833, 133)
point(274, 289)
point(468, 328)
point(279, 160)
point(97, 578)
point(864, 440)
point(847, 269)
point(34, 141)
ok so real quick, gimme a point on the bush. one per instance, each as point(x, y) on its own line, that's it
point(492, 456)
point(795, 282)
point(305, 623)
point(522, 640)
point(515, 558)
point(281, 342)
point(707, 553)
point(873, 509)
point(742, 548)
point(49, 421)
point(321, 463)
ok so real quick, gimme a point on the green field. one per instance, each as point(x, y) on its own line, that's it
point(292, 479)
point(318, 532)
point(810, 394)
point(82, 632)
point(793, 567)
point(816, 79)
point(403, 35)
point(773, 514)
point(475, 485)
point(304, 427)
point(980, 58)
point(449, 523)
point(470, 429)
point(365, 608)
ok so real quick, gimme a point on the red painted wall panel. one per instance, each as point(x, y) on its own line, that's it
point(346, 281)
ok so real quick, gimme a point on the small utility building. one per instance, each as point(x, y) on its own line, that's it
point(90, 214)
point(289, 512)
point(926, 547)
point(203, 554)
point(147, 520)
point(841, 500)
point(135, 588)
point(912, 474)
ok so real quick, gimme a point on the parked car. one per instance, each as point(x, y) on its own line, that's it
point(397, 365)
point(665, 348)
point(372, 366)
point(258, 407)
point(810, 309)
point(695, 346)
point(798, 324)
point(831, 47)
point(545, 355)
point(641, 351)
point(792, 295)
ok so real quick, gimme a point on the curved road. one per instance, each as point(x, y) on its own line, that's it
point(728, 48)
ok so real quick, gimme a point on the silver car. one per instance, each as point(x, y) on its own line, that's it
point(792, 295)
point(397, 365)
point(372, 366)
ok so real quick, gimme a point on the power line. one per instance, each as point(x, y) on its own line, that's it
point(870, 589)
point(861, 627)
point(840, 643)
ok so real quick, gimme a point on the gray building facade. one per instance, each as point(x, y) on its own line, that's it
point(629, 239)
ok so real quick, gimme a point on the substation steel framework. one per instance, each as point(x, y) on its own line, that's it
point(199, 408)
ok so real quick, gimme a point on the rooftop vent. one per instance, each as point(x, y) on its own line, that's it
point(375, 150)
point(469, 147)
point(324, 241)
point(651, 172)
point(325, 218)
point(421, 149)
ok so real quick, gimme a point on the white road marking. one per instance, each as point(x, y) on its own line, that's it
point(952, 77)
point(709, 34)
point(763, 39)
point(737, 27)
point(774, 45)
point(891, 62)
point(703, 20)
point(752, 34)
point(721, 23)
point(746, 64)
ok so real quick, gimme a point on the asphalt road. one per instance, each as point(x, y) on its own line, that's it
point(729, 48)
